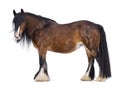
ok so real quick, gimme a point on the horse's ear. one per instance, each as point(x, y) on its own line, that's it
point(22, 11)
point(14, 12)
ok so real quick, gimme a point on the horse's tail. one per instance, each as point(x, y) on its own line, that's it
point(103, 56)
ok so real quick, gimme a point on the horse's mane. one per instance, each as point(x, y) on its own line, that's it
point(40, 17)
point(25, 36)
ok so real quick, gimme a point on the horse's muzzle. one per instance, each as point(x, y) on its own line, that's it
point(17, 37)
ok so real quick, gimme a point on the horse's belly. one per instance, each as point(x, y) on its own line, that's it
point(67, 48)
point(62, 50)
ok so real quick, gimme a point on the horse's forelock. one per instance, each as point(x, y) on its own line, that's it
point(17, 21)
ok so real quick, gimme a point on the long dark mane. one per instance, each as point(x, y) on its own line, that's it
point(40, 17)
point(20, 18)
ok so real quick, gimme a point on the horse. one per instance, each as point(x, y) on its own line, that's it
point(48, 35)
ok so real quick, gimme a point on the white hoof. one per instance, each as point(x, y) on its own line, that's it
point(100, 79)
point(42, 77)
point(86, 78)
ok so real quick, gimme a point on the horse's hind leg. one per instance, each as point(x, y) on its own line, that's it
point(90, 73)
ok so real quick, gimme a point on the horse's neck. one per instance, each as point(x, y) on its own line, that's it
point(32, 24)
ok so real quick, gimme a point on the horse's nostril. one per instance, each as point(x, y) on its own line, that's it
point(17, 36)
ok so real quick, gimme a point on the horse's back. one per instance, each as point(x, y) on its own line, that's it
point(66, 37)
point(86, 32)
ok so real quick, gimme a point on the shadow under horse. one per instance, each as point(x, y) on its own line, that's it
point(47, 34)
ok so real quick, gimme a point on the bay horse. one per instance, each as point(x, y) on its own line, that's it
point(47, 34)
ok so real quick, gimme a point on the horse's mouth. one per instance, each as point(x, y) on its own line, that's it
point(17, 39)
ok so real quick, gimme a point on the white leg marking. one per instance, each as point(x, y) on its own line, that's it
point(86, 76)
point(88, 70)
point(42, 76)
point(101, 79)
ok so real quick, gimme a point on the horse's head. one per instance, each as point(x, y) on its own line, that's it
point(19, 25)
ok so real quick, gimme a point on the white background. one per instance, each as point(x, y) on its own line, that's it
point(18, 64)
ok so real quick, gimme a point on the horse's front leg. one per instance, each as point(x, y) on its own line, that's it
point(42, 74)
